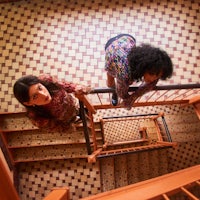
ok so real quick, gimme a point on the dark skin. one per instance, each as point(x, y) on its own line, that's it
point(148, 78)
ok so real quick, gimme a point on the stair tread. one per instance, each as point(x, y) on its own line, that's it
point(122, 170)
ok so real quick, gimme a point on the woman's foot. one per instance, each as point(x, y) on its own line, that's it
point(114, 99)
point(77, 120)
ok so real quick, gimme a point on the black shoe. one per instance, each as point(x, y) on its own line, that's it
point(114, 99)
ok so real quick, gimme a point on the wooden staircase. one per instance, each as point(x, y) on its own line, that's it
point(180, 185)
point(25, 143)
point(195, 101)
point(146, 142)
point(131, 150)
point(130, 161)
point(121, 170)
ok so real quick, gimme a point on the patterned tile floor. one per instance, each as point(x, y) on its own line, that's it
point(67, 38)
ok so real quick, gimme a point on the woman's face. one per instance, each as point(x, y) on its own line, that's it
point(148, 78)
point(39, 95)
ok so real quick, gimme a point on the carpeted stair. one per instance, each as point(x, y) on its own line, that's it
point(122, 170)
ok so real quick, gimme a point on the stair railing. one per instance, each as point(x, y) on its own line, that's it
point(88, 123)
point(7, 188)
point(160, 95)
point(163, 187)
point(166, 136)
point(195, 101)
point(58, 194)
point(160, 143)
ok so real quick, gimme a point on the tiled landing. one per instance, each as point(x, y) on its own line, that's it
point(38, 178)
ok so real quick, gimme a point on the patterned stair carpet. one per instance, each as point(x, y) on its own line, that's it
point(123, 170)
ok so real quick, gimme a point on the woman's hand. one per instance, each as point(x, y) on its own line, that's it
point(81, 89)
point(128, 103)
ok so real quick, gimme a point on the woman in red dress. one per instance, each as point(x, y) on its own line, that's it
point(49, 102)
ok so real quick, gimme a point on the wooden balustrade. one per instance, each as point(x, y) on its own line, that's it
point(195, 101)
point(7, 189)
point(156, 188)
point(58, 194)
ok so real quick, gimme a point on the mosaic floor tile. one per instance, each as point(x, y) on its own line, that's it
point(67, 39)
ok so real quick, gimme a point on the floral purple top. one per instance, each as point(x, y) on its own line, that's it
point(117, 66)
point(63, 107)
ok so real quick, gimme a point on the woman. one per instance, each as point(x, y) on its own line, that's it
point(127, 64)
point(49, 102)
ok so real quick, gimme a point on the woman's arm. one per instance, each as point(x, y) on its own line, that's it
point(68, 86)
point(122, 89)
point(45, 123)
point(143, 88)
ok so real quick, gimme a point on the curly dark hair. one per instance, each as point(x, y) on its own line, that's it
point(148, 59)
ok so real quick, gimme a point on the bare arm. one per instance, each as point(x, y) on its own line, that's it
point(68, 86)
point(46, 123)
point(143, 88)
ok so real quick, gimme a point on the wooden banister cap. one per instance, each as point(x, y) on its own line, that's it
point(195, 99)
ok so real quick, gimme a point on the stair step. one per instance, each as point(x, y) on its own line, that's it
point(107, 174)
point(49, 153)
point(163, 162)
point(154, 162)
point(39, 137)
point(122, 170)
point(133, 168)
point(144, 169)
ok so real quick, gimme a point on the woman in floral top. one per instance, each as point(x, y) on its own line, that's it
point(127, 64)
point(49, 102)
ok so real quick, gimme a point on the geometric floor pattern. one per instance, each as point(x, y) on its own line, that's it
point(36, 179)
point(66, 39)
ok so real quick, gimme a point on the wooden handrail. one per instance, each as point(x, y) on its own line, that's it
point(93, 132)
point(174, 144)
point(93, 156)
point(160, 95)
point(7, 189)
point(195, 101)
point(160, 138)
point(58, 194)
point(152, 188)
point(87, 103)
point(161, 87)
point(130, 150)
